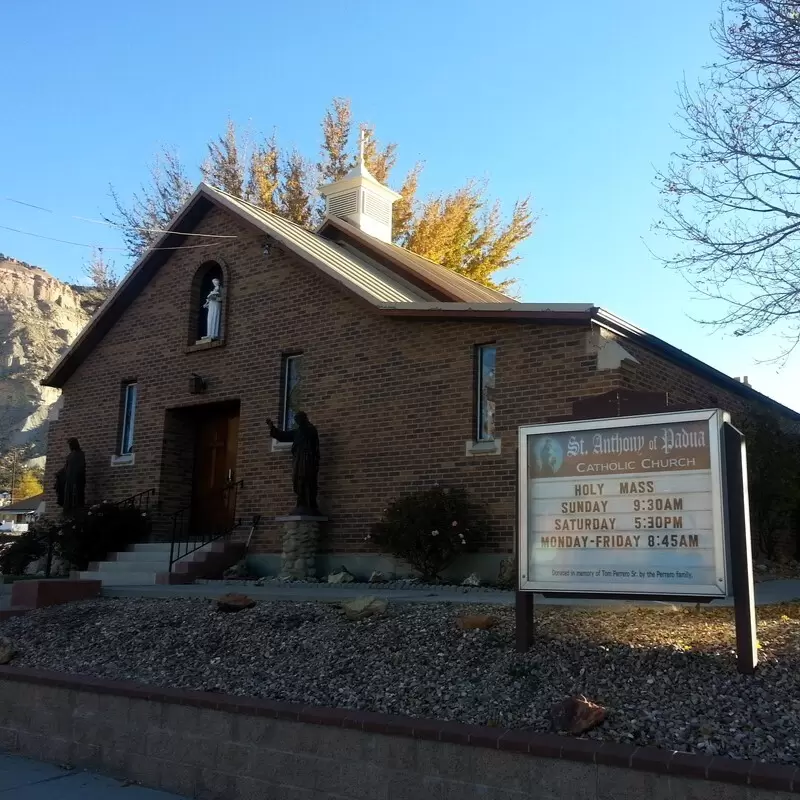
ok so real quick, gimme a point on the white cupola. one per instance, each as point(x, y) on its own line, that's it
point(360, 199)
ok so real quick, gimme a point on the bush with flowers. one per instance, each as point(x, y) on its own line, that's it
point(92, 533)
point(429, 529)
point(18, 550)
point(80, 537)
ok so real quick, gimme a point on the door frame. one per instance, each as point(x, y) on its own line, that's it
point(199, 414)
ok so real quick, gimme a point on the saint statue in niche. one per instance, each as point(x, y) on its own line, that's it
point(213, 305)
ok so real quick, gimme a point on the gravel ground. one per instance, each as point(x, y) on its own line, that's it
point(667, 678)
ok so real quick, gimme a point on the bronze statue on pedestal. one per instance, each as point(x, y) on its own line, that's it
point(305, 462)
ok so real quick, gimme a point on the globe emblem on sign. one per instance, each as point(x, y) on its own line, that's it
point(549, 456)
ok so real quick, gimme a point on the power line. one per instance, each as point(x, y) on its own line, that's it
point(95, 247)
point(30, 205)
point(116, 225)
point(157, 230)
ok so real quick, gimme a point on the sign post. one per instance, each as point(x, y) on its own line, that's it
point(741, 555)
point(524, 600)
point(649, 507)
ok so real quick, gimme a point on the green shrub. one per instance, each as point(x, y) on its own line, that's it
point(17, 551)
point(429, 529)
point(91, 534)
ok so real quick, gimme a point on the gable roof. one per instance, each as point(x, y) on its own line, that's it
point(358, 275)
point(27, 506)
point(445, 283)
point(394, 281)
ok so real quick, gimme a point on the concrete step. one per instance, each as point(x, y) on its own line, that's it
point(143, 556)
point(120, 578)
point(140, 556)
point(152, 547)
point(160, 547)
point(130, 566)
point(147, 564)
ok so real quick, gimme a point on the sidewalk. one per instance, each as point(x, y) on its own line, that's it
point(23, 779)
point(767, 593)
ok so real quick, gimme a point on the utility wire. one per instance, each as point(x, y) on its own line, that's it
point(96, 247)
point(116, 225)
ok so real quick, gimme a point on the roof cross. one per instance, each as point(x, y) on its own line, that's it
point(362, 145)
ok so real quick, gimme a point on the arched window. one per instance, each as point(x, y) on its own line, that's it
point(207, 317)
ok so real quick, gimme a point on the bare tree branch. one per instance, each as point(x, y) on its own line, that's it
point(731, 196)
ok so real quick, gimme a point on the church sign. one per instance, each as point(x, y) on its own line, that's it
point(628, 506)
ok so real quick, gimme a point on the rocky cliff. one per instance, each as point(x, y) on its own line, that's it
point(39, 318)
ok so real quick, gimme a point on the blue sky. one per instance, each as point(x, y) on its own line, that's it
point(570, 102)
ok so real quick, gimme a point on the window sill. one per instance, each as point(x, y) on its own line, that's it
point(123, 461)
point(205, 344)
point(483, 447)
point(281, 447)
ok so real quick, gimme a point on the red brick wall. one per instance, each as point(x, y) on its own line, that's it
point(392, 398)
point(654, 373)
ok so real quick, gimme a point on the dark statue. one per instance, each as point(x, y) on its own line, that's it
point(71, 479)
point(305, 461)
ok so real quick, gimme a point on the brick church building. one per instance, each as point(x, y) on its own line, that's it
point(413, 374)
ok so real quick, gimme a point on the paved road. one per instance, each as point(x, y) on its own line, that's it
point(23, 779)
point(767, 593)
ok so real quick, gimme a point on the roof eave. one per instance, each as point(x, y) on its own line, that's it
point(569, 314)
point(625, 329)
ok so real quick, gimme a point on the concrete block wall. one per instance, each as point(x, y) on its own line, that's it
point(216, 747)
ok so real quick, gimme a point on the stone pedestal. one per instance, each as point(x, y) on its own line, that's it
point(300, 538)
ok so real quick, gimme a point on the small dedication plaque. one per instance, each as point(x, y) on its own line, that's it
point(630, 505)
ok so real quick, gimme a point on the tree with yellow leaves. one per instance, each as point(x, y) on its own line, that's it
point(29, 486)
point(463, 230)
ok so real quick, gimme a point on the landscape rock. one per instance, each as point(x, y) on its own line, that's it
point(59, 568)
point(260, 581)
point(363, 607)
point(238, 570)
point(342, 576)
point(235, 602)
point(7, 651)
point(378, 577)
point(576, 715)
point(476, 622)
point(471, 580)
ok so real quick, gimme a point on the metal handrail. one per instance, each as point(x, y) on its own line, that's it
point(141, 500)
point(180, 547)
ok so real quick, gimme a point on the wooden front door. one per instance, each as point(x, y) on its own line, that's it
point(213, 499)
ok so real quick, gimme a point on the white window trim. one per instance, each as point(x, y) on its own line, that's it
point(281, 447)
point(483, 447)
point(128, 428)
point(127, 460)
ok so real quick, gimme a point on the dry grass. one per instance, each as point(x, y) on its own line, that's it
point(699, 628)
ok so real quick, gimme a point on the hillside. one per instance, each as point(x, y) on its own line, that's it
point(39, 317)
